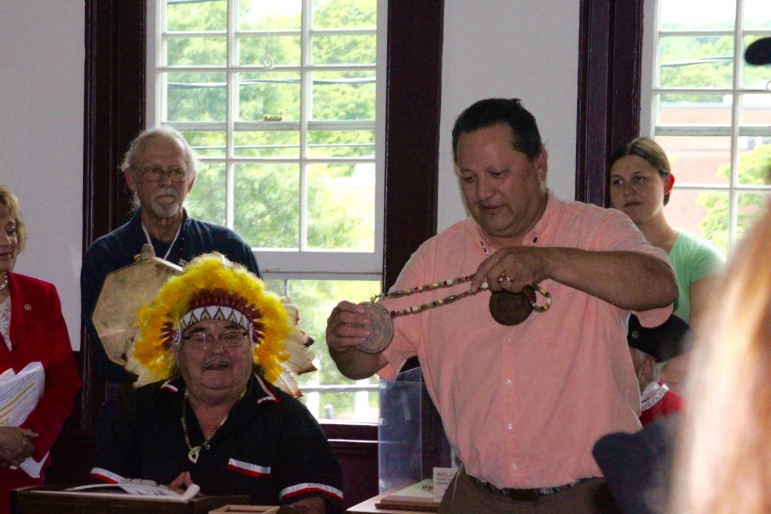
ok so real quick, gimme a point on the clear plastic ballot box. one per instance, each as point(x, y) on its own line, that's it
point(411, 440)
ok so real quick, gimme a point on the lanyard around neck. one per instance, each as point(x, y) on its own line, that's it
point(150, 241)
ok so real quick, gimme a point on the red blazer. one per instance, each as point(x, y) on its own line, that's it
point(38, 333)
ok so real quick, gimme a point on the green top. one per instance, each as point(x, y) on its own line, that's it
point(692, 258)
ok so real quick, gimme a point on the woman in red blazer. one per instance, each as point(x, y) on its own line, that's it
point(32, 329)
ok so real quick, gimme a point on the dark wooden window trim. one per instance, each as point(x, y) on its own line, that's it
point(609, 68)
point(114, 113)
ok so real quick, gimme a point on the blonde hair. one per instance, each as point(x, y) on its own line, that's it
point(9, 204)
point(723, 457)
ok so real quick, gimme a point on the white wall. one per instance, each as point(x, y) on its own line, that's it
point(511, 49)
point(41, 137)
point(504, 48)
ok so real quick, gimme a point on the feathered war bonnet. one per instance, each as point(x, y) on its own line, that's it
point(210, 287)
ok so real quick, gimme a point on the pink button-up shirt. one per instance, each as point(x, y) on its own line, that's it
point(522, 406)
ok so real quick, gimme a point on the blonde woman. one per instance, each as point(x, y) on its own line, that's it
point(32, 329)
point(723, 459)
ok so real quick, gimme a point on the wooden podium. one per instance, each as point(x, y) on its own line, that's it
point(50, 499)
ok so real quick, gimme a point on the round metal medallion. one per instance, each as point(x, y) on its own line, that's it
point(509, 308)
point(381, 329)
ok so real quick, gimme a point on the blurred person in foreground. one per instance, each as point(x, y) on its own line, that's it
point(209, 347)
point(714, 457)
point(723, 463)
point(723, 448)
point(641, 181)
point(723, 456)
point(522, 401)
point(32, 329)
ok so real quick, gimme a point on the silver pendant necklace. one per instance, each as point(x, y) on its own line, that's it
point(195, 451)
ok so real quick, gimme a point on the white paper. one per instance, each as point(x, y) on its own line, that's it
point(442, 479)
point(144, 489)
point(32, 467)
point(19, 394)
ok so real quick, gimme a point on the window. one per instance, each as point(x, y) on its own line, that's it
point(280, 100)
point(711, 112)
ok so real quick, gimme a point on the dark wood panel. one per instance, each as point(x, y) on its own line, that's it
point(609, 68)
point(72, 455)
point(413, 106)
point(114, 113)
point(360, 469)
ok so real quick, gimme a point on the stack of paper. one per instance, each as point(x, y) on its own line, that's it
point(19, 394)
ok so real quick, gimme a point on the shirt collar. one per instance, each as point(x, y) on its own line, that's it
point(533, 236)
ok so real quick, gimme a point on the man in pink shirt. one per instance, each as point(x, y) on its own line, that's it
point(522, 404)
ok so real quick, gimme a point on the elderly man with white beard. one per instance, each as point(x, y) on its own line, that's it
point(160, 168)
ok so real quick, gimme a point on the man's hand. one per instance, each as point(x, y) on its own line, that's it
point(627, 279)
point(181, 483)
point(348, 327)
point(511, 269)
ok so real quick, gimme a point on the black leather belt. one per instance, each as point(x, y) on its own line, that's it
point(525, 495)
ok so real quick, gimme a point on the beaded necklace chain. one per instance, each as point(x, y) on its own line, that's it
point(428, 287)
point(506, 308)
point(195, 451)
point(528, 291)
point(4, 283)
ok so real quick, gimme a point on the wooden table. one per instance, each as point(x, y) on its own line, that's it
point(51, 499)
point(370, 507)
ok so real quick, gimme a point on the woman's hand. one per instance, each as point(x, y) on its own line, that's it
point(15, 445)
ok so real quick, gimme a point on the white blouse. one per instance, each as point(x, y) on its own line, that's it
point(5, 322)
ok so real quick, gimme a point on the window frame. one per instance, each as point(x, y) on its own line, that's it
point(651, 89)
point(293, 263)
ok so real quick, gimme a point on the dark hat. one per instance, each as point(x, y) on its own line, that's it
point(759, 52)
point(663, 342)
point(638, 467)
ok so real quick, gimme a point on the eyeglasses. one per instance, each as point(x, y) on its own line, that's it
point(155, 173)
point(205, 340)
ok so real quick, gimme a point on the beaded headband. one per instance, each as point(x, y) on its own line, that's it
point(216, 304)
point(213, 312)
point(210, 287)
